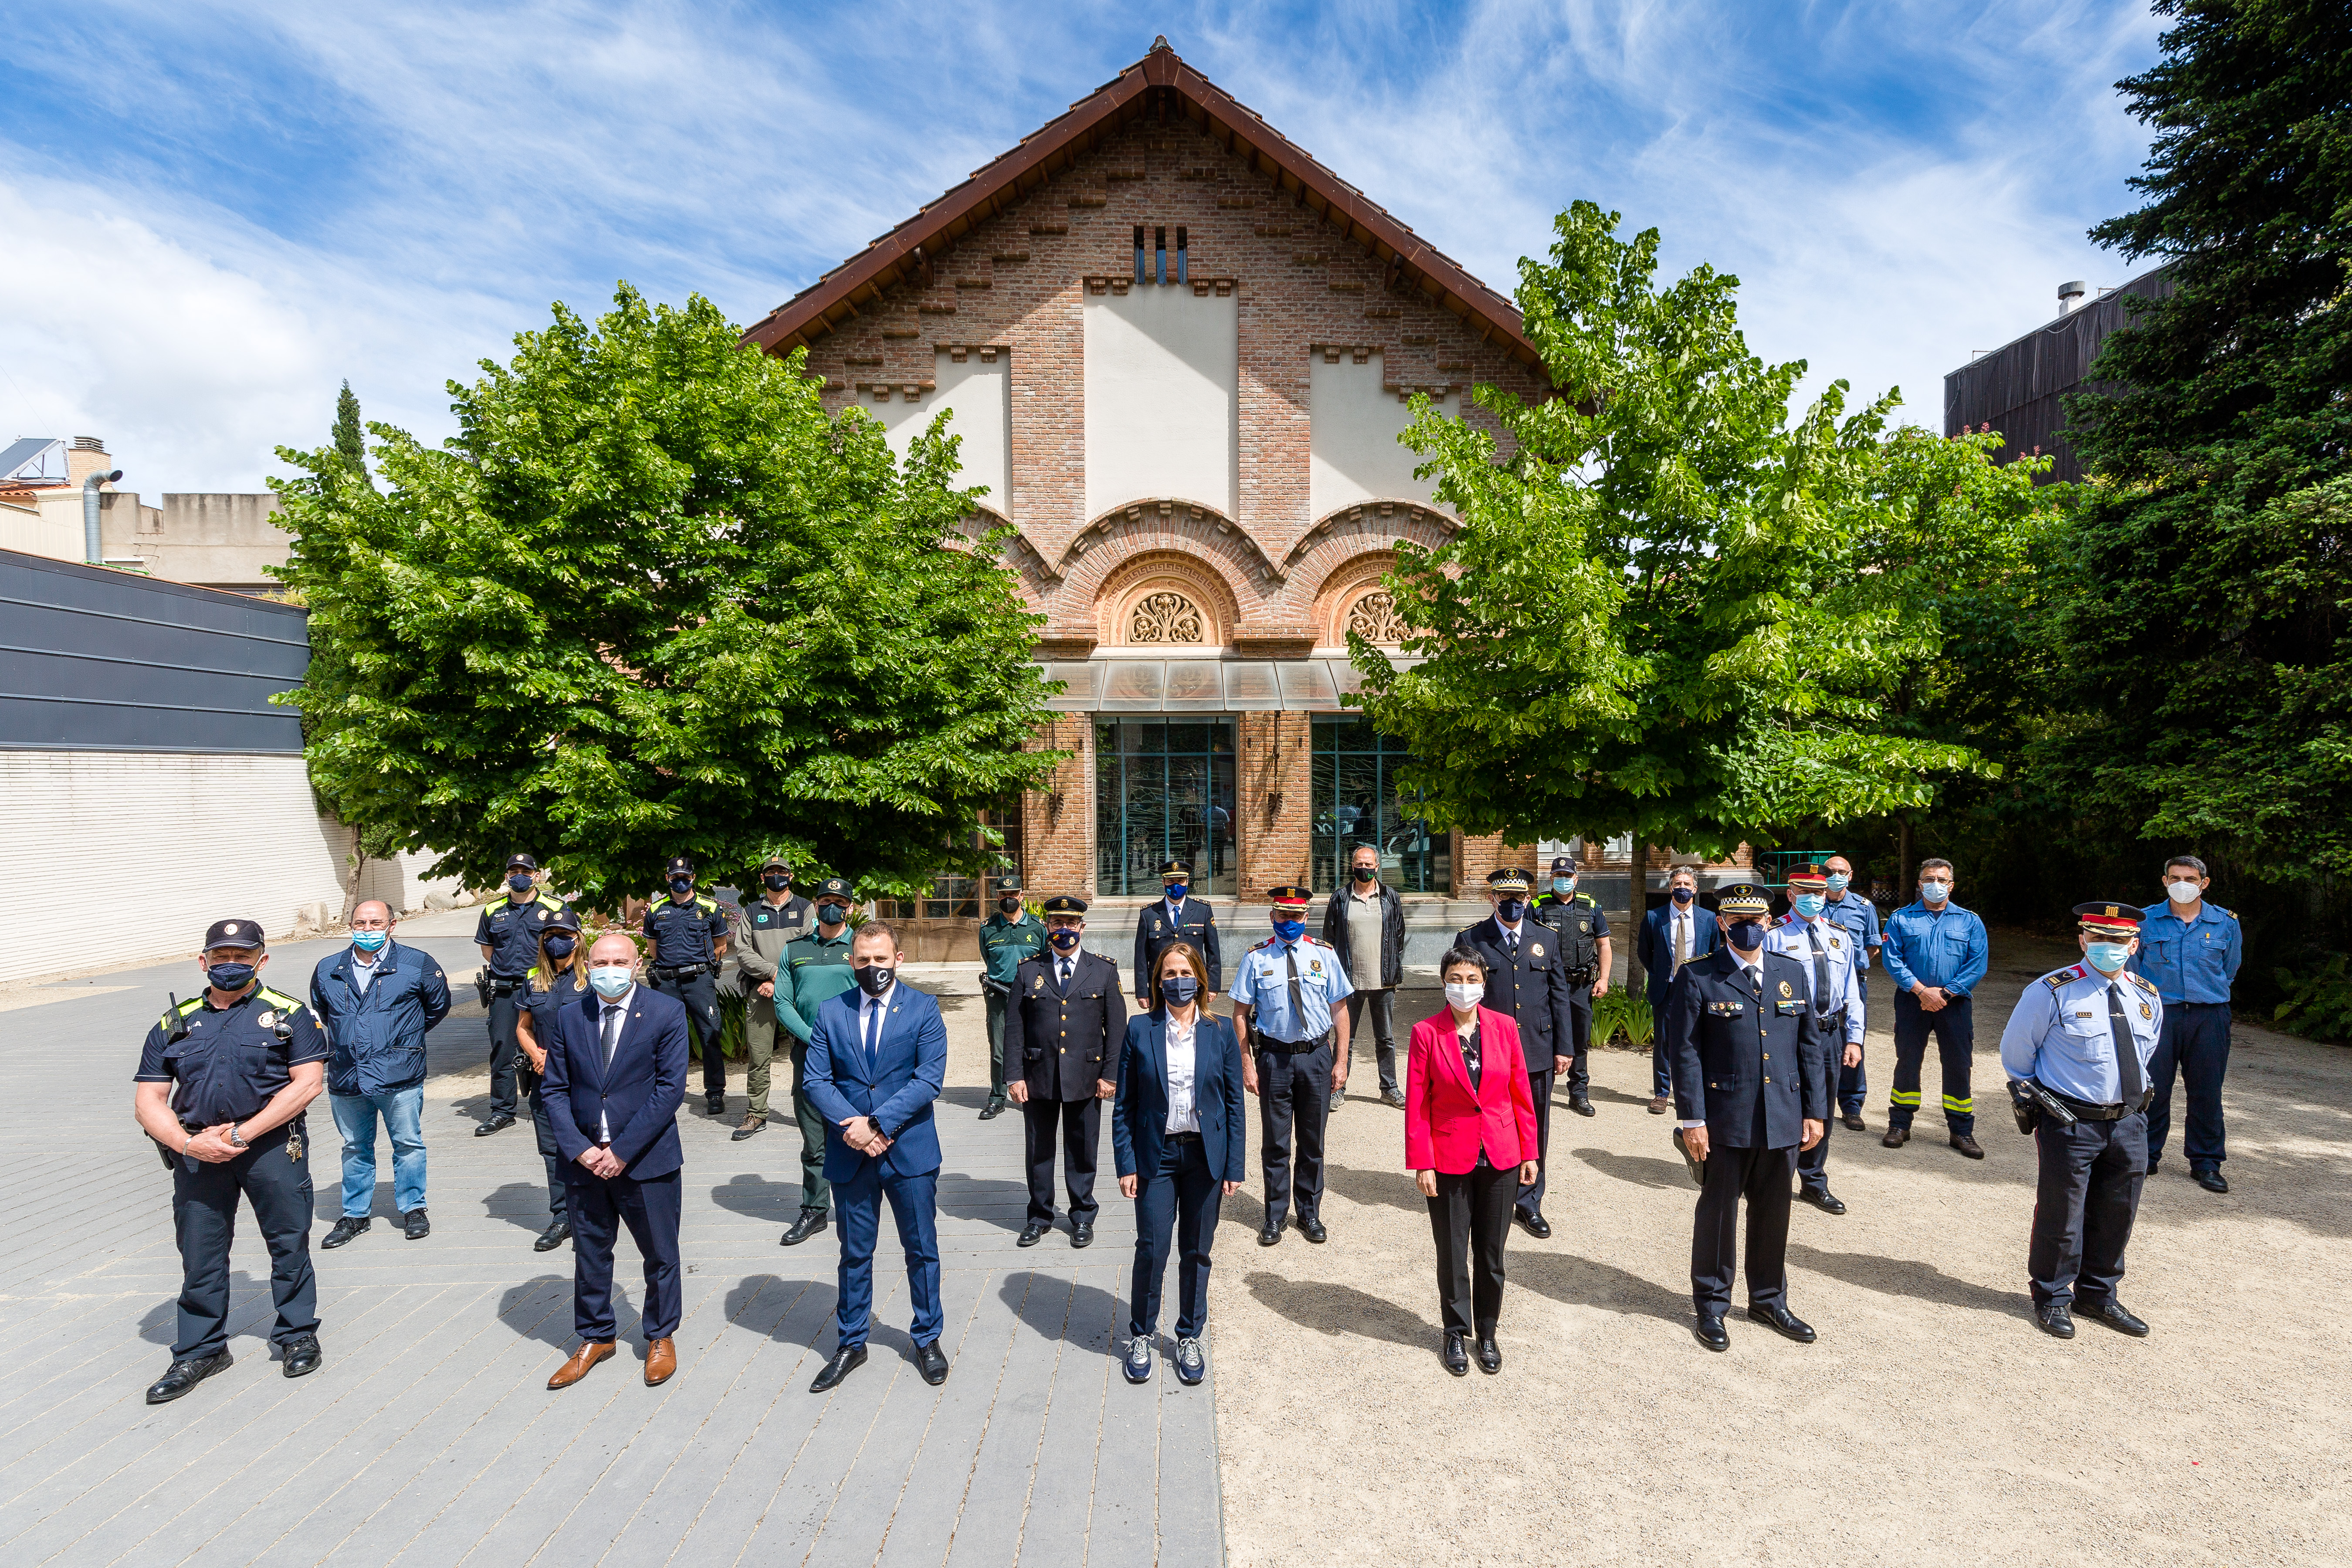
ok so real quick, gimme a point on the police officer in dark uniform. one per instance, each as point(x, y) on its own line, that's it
point(559, 980)
point(508, 934)
point(223, 1081)
point(689, 933)
point(1062, 1035)
point(1751, 1089)
point(1526, 980)
point(1583, 931)
point(1178, 916)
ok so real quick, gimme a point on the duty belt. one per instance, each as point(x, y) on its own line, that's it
point(2088, 1112)
point(1294, 1047)
point(678, 970)
point(501, 986)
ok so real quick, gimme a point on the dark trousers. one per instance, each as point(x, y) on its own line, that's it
point(548, 1152)
point(700, 995)
point(1852, 1084)
point(504, 1053)
point(1956, 1037)
point(600, 1206)
point(2196, 1044)
point(1761, 1177)
point(1294, 1094)
point(203, 1217)
point(1530, 1198)
point(1078, 1124)
point(1813, 1164)
point(1177, 1203)
point(1381, 1005)
point(915, 1206)
point(1662, 1077)
point(997, 1003)
point(2084, 1202)
point(1470, 1218)
point(814, 1193)
point(1579, 1029)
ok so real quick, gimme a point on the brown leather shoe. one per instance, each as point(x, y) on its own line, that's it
point(661, 1359)
point(589, 1353)
point(1896, 1137)
point(1968, 1145)
point(1660, 1105)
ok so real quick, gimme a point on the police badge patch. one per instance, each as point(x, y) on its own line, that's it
point(1786, 990)
point(268, 1019)
point(1535, 948)
point(2144, 1011)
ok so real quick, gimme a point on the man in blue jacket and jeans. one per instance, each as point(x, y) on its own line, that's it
point(376, 999)
point(1936, 952)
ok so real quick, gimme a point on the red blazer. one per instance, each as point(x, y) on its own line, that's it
point(1444, 1120)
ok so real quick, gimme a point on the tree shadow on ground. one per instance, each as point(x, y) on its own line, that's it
point(755, 1196)
point(1581, 1282)
point(1908, 1277)
point(816, 1298)
point(1394, 1188)
point(997, 1200)
point(1640, 1170)
point(1083, 1316)
point(1335, 1309)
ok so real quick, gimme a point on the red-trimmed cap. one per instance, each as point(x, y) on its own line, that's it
point(2116, 923)
point(1809, 879)
point(1290, 896)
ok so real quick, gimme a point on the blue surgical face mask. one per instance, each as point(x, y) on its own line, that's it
point(520, 882)
point(610, 979)
point(1510, 909)
point(1176, 891)
point(1747, 935)
point(1563, 886)
point(1290, 931)
point(1811, 904)
point(1839, 881)
point(1685, 895)
point(1935, 892)
point(681, 884)
point(1066, 938)
point(229, 976)
point(2108, 956)
point(370, 941)
point(1179, 989)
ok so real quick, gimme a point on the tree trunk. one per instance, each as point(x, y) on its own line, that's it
point(1639, 900)
point(1902, 856)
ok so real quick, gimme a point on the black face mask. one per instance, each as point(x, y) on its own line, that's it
point(1510, 909)
point(776, 881)
point(559, 946)
point(1365, 873)
point(874, 978)
point(832, 914)
point(1010, 906)
point(520, 882)
point(681, 884)
point(1067, 939)
point(1684, 895)
point(1747, 935)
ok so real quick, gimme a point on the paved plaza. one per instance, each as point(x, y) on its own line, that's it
point(429, 1436)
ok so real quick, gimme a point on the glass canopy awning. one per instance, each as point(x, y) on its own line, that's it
point(1203, 685)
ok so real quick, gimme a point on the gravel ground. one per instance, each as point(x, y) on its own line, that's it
point(1932, 1422)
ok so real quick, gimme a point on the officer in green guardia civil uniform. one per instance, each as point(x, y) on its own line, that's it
point(1008, 939)
point(816, 968)
point(771, 924)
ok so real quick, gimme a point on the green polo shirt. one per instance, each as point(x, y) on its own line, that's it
point(1006, 945)
point(817, 968)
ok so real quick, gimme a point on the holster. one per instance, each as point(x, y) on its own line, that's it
point(2022, 1106)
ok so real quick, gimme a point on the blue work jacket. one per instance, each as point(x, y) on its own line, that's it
point(375, 1038)
point(2188, 961)
point(1948, 951)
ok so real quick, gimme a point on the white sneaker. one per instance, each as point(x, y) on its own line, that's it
point(1138, 1364)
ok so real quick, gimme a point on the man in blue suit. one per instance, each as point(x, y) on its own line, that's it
point(877, 1058)
point(614, 1079)
point(1672, 935)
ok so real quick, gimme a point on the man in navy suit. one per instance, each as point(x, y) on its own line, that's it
point(1673, 935)
point(614, 1079)
point(1751, 1089)
point(877, 1058)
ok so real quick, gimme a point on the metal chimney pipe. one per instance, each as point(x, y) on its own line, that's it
point(91, 549)
point(2071, 295)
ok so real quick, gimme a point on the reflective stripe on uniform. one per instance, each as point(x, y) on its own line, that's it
point(1955, 1105)
point(1901, 1097)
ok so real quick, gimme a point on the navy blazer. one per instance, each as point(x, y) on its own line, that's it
point(639, 1093)
point(1655, 948)
point(1530, 989)
point(1750, 1068)
point(375, 1038)
point(1139, 1112)
point(911, 1068)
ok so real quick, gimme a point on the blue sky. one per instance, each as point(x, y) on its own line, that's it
point(221, 210)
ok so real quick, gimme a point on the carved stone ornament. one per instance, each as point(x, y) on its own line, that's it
point(1375, 618)
point(1165, 618)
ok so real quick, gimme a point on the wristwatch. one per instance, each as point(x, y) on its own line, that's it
point(236, 1137)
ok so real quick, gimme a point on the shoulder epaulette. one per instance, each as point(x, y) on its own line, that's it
point(2141, 981)
point(172, 1016)
point(277, 999)
point(701, 902)
point(1269, 942)
point(2058, 979)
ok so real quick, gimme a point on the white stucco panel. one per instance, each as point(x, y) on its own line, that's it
point(1162, 372)
point(979, 397)
point(1353, 454)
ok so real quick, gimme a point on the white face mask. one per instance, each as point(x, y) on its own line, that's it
point(1935, 892)
point(2183, 893)
point(1464, 993)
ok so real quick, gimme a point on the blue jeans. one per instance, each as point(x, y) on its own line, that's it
point(403, 1110)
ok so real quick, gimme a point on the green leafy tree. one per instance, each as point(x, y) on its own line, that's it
point(651, 601)
point(350, 444)
point(1670, 610)
point(2207, 628)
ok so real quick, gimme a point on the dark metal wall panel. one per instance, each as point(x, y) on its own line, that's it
point(2018, 389)
point(98, 660)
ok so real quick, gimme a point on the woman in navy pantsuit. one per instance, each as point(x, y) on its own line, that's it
point(1178, 1136)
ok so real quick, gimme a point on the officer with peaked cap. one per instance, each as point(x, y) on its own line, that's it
point(1583, 930)
point(1008, 939)
point(689, 933)
point(771, 924)
point(1832, 984)
point(1062, 1035)
point(508, 933)
point(1527, 981)
point(1293, 1039)
point(815, 969)
point(2084, 1035)
point(1178, 916)
point(223, 1081)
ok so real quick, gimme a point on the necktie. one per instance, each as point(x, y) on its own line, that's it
point(1820, 969)
point(1064, 981)
point(1511, 943)
point(1298, 1004)
point(873, 1034)
point(612, 1022)
point(1682, 941)
point(2127, 1049)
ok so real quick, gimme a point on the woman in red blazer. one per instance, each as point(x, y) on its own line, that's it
point(1469, 1130)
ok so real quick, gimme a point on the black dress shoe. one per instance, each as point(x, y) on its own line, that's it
point(1312, 1229)
point(1853, 1123)
point(992, 1110)
point(345, 1229)
point(2211, 1181)
point(1896, 1137)
point(1081, 1234)
point(2117, 1316)
point(932, 1362)
point(184, 1374)
point(1581, 1104)
point(302, 1356)
point(1968, 1145)
point(808, 1225)
point(715, 1103)
point(557, 1233)
point(1823, 1199)
point(2057, 1319)
point(1490, 1355)
point(1784, 1322)
point(843, 1363)
point(1708, 1332)
point(1034, 1232)
point(415, 1225)
point(1270, 1236)
point(1457, 1360)
point(1535, 1225)
point(499, 1123)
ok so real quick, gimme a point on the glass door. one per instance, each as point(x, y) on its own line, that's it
point(1163, 791)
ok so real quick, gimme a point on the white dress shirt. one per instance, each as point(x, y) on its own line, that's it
point(1183, 1104)
point(621, 1005)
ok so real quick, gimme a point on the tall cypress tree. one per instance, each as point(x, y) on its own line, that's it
point(2206, 606)
point(349, 444)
